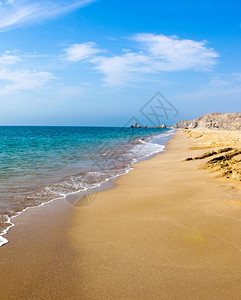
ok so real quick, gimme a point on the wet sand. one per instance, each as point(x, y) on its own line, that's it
point(167, 230)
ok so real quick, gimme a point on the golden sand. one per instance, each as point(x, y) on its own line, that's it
point(168, 230)
point(226, 161)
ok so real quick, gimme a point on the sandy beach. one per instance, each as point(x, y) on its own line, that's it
point(169, 229)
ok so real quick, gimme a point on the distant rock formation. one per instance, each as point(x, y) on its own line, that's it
point(163, 126)
point(222, 121)
point(136, 125)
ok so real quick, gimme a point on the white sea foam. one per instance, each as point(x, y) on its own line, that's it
point(3, 240)
point(151, 146)
point(145, 150)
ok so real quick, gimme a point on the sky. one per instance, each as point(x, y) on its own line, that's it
point(102, 62)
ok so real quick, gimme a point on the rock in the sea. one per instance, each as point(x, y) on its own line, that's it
point(136, 125)
point(222, 121)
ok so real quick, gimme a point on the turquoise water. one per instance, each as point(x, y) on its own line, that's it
point(38, 164)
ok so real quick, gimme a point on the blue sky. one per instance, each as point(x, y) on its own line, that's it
point(98, 62)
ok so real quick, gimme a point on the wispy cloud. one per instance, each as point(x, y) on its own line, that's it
point(77, 52)
point(12, 81)
point(174, 54)
point(156, 54)
point(223, 81)
point(8, 59)
point(127, 68)
point(237, 76)
point(14, 76)
point(222, 93)
point(14, 13)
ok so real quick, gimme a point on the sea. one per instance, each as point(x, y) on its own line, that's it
point(42, 164)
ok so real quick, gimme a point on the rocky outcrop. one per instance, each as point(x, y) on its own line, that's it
point(222, 121)
point(136, 125)
point(164, 126)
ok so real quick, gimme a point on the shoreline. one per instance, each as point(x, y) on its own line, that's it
point(103, 185)
point(165, 230)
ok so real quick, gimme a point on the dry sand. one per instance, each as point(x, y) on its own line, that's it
point(168, 230)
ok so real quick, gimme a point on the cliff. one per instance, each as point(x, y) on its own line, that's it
point(222, 121)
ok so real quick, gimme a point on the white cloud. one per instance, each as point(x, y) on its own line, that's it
point(14, 13)
point(8, 59)
point(156, 54)
point(12, 81)
point(121, 69)
point(77, 52)
point(174, 54)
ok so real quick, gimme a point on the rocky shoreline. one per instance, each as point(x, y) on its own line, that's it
point(221, 121)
